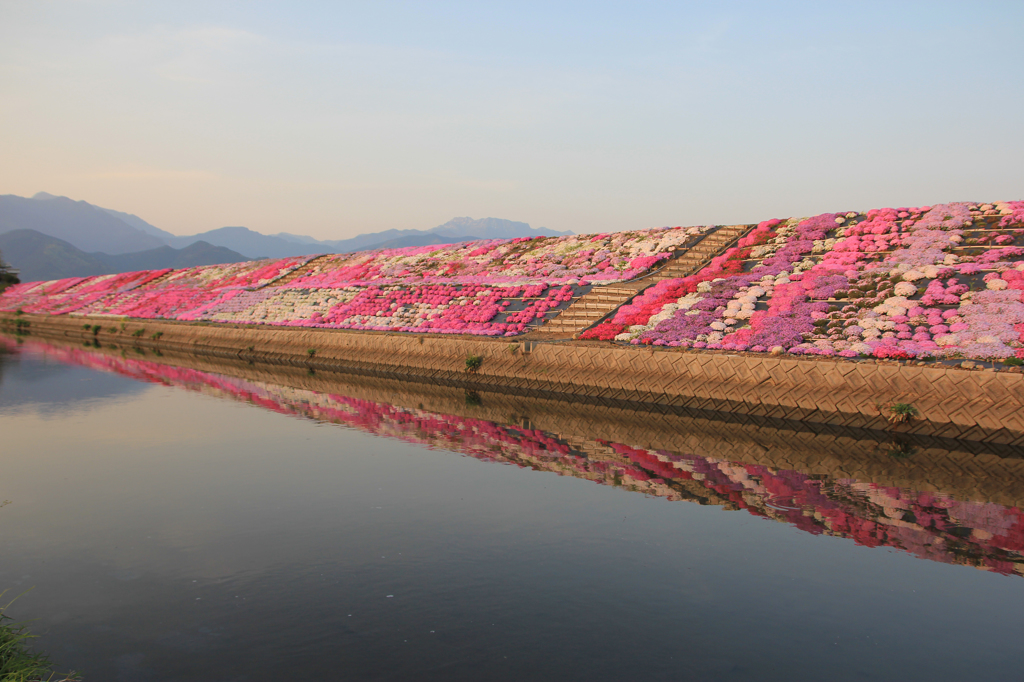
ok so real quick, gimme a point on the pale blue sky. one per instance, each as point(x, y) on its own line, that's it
point(332, 119)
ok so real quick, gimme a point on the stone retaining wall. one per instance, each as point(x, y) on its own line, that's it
point(953, 403)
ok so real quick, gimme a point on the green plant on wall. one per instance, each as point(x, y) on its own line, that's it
point(900, 413)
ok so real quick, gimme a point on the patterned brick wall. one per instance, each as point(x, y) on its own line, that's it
point(953, 402)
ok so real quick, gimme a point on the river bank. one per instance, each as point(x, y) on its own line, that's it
point(951, 402)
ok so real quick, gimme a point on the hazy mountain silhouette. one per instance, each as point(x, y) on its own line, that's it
point(92, 229)
point(494, 228)
point(427, 239)
point(256, 244)
point(40, 257)
point(76, 222)
point(283, 244)
point(455, 230)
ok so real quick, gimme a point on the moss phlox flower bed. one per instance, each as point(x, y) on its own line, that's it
point(932, 281)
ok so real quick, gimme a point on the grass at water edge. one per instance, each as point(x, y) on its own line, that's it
point(17, 662)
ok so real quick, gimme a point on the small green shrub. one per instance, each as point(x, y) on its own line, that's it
point(311, 352)
point(250, 348)
point(900, 413)
point(473, 399)
point(473, 362)
point(1013, 362)
point(86, 327)
point(96, 329)
point(156, 336)
point(139, 332)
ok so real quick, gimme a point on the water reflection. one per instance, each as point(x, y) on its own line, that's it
point(973, 519)
point(52, 386)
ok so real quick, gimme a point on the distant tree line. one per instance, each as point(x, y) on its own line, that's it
point(7, 275)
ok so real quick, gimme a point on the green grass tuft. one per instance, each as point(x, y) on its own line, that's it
point(17, 662)
point(901, 412)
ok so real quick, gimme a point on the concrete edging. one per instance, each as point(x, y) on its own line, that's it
point(952, 402)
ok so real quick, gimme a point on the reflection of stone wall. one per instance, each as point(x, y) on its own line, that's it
point(967, 470)
point(956, 403)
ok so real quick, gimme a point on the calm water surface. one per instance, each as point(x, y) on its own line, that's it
point(181, 525)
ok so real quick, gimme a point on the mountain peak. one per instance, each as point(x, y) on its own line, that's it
point(493, 228)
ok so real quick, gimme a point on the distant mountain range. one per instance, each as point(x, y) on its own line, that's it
point(39, 257)
point(85, 237)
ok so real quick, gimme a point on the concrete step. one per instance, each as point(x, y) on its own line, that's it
point(296, 273)
point(601, 300)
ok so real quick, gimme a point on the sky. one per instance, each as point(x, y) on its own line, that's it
point(338, 118)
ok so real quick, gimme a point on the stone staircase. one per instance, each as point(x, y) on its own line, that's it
point(590, 308)
point(697, 257)
point(296, 273)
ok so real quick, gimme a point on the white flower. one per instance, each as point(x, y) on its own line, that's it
point(687, 302)
point(996, 284)
point(905, 289)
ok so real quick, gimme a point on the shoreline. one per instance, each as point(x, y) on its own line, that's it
point(952, 403)
point(972, 469)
